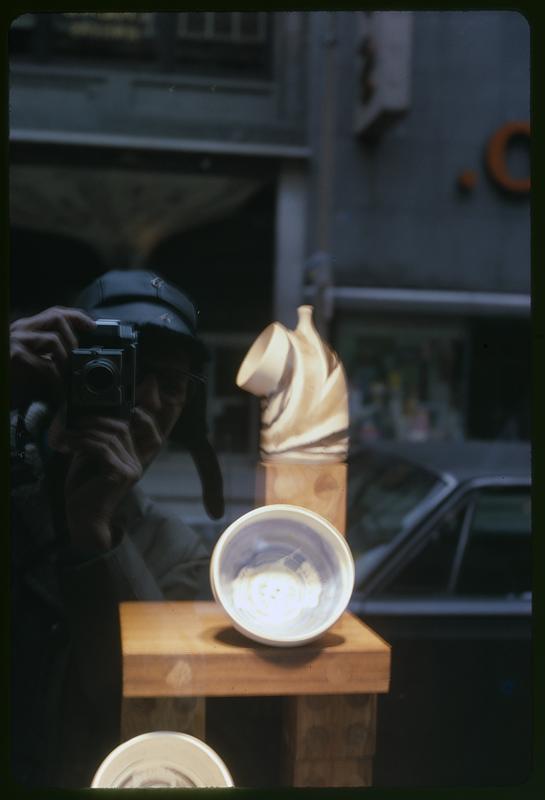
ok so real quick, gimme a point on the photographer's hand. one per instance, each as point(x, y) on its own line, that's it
point(147, 436)
point(103, 468)
point(39, 350)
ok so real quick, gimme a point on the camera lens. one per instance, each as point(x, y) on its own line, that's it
point(99, 377)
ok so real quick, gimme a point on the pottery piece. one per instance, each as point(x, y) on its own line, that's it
point(283, 574)
point(303, 391)
point(162, 760)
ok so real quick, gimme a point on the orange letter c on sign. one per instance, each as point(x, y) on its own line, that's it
point(496, 157)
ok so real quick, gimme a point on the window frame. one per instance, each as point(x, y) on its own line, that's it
point(466, 532)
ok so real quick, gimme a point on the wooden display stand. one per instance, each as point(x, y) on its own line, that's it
point(330, 741)
point(318, 487)
point(188, 650)
point(176, 652)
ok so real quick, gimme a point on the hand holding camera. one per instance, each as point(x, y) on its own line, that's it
point(87, 370)
point(40, 348)
point(96, 431)
point(103, 467)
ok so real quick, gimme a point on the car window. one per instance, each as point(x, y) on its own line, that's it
point(497, 556)
point(383, 491)
point(429, 568)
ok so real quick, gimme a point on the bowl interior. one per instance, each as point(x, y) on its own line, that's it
point(282, 577)
point(162, 759)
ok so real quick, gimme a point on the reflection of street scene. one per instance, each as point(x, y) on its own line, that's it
point(441, 538)
point(372, 166)
point(407, 387)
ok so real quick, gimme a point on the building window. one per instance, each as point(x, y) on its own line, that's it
point(200, 42)
point(406, 380)
point(84, 37)
point(234, 27)
point(226, 42)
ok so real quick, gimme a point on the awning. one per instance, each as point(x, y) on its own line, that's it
point(121, 211)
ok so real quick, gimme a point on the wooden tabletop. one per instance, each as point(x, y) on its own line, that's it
point(191, 649)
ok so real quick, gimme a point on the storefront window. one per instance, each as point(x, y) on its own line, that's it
point(124, 35)
point(406, 380)
point(226, 43)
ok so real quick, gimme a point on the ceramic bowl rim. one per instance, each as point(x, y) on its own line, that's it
point(340, 546)
point(186, 738)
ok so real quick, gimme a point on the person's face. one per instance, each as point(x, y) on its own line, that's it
point(162, 385)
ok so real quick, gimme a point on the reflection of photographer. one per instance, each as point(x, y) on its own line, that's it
point(94, 402)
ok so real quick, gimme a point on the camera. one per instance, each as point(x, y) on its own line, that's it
point(102, 373)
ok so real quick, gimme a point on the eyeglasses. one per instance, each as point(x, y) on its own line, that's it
point(174, 384)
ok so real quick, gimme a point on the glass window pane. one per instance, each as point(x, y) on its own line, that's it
point(429, 570)
point(382, 492)
point(497, 558)
point(386, 494)
point(224, 42)
point(102, 35)
point(406, 380)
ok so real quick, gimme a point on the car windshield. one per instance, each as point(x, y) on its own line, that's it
point(386, 495)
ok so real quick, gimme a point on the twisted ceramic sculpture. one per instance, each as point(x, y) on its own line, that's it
point(304, 406)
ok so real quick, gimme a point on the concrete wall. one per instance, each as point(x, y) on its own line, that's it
point(398, 218)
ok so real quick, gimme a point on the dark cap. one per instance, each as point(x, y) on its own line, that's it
point(145, 300)
point(152, 304)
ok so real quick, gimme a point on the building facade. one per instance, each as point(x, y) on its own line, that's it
point(375, 165)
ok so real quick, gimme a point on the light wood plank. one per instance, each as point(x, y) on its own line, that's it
point(329, 740)
point(190, 649)
point(318, 487)
point(331, 726)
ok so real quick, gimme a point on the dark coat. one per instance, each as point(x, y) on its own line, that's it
point(65, 636)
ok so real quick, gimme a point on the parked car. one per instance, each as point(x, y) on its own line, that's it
point(440, 534)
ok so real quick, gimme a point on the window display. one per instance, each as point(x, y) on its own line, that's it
point(406, 380)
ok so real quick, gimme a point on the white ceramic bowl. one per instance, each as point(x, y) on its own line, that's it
point(283, 574)
point(162, 760)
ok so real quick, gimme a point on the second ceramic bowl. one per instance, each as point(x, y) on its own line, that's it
point(162, 760)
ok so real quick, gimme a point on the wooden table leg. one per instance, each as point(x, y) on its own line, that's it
point(329, 740)
point(143, 714)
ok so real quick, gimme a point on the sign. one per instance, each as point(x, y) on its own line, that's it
point(496, 157)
